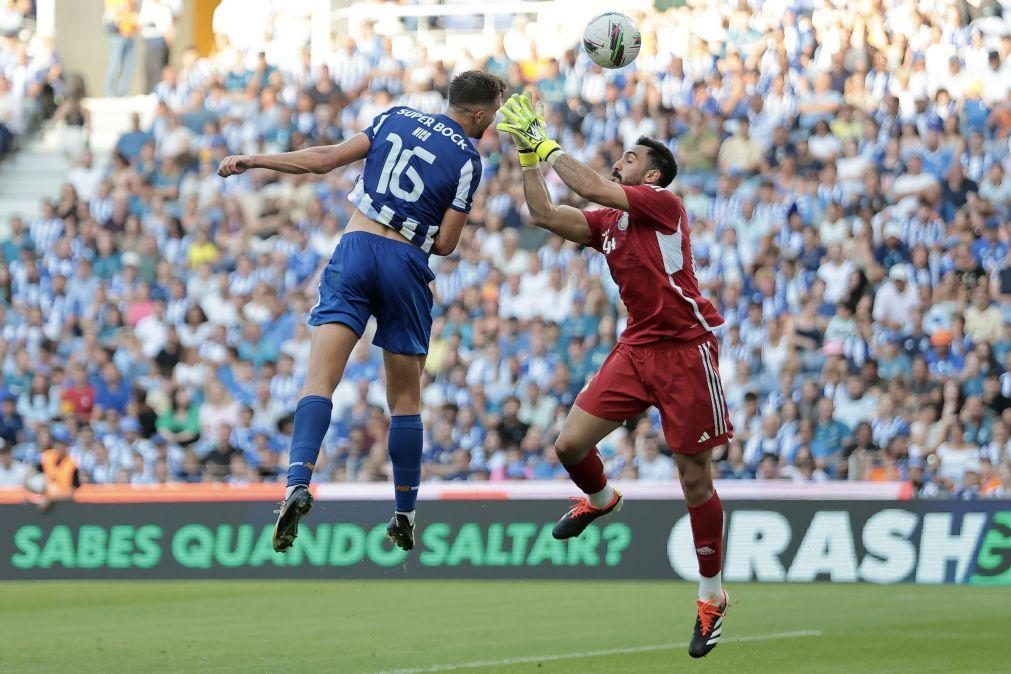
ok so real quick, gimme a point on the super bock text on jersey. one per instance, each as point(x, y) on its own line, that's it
point(417, 166)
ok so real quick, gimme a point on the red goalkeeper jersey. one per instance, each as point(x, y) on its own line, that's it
point(650, 257)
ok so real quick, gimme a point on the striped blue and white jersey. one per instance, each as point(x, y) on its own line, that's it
point(417, 168)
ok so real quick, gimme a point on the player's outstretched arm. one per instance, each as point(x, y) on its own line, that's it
point(588, 184)
point(319, 160)
point(565, 221)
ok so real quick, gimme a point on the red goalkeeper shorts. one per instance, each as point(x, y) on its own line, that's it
point(682, 379)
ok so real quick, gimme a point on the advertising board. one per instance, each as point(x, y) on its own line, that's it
point(765, 540)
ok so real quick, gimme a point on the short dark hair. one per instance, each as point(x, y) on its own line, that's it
point(475, 87)
point(661, 159)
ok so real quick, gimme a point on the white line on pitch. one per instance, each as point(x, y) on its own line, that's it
point(591, 654)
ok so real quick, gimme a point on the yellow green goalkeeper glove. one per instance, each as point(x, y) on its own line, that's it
point(528, 158)
point(527, 126)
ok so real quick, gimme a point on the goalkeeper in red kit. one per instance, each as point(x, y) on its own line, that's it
point(667, 356)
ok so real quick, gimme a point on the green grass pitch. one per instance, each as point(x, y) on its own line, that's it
point(494, 626)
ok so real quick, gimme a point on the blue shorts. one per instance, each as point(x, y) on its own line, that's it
point(370, 275)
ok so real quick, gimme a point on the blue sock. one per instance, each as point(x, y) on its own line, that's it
point(312, 419)
point(405, 452)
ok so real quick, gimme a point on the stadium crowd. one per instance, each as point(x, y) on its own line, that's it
point(31, 77)
point(844, 169)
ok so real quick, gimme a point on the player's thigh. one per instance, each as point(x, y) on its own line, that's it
point(403, 382)
point(330, 347)
point(613, 395)
point(346, 285)
point(689, 394)
point(403, 300)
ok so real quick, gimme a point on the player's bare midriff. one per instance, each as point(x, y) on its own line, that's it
point(360, 223)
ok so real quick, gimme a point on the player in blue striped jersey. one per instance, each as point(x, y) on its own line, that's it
point(421, 172)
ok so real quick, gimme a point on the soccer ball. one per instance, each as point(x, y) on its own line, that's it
point(612, 40)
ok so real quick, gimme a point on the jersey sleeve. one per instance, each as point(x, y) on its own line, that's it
point(466, 185)
point(372, 129)
point(595, 219)
point(653, 206)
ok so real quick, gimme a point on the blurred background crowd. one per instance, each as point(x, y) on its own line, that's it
point(845, 173)
point(31, 77)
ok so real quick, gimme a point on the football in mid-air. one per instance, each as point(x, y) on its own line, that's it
point(612, 40)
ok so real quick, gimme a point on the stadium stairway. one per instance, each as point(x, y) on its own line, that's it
point(39, 168)
point(35, 172)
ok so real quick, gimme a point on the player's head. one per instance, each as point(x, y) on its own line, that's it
point(648, 162)
point(474, 98)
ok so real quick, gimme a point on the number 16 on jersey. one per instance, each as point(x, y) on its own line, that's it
point(398, 166)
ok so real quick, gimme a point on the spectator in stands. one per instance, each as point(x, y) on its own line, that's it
point(768, 469)
point(58, 468)
point(921, 481)
point(179, 422)
point(829, 436)
point(804, 469)
point(855, 405)
point(651, 464)
point(121, 25)
point(983, 320)
point(896, 299)
point(1003, 488)
point(10, 117)
point(740, 152)
point(954, 455)
point(13, 473)
point(157, 28)
point(765, 443)
point(218, 454)
point(111, 390)
point(12, 425)
point(78, 395)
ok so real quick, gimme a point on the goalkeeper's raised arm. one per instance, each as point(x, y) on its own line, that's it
point(565, 221)
point(526, 125)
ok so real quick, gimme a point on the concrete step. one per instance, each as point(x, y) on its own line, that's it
point(39, 169)
point(26, 207)
point(110, 118)
point(33, 160)
point(35, 173)
point(19, 185)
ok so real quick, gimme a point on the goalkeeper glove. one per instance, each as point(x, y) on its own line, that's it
point(527, 126)
point(528, 158)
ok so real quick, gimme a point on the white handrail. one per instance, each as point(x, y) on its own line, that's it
point(560, 12)
point(368, 10)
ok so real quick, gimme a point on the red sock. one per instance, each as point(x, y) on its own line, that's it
point(588, 474)
point(707, 529)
